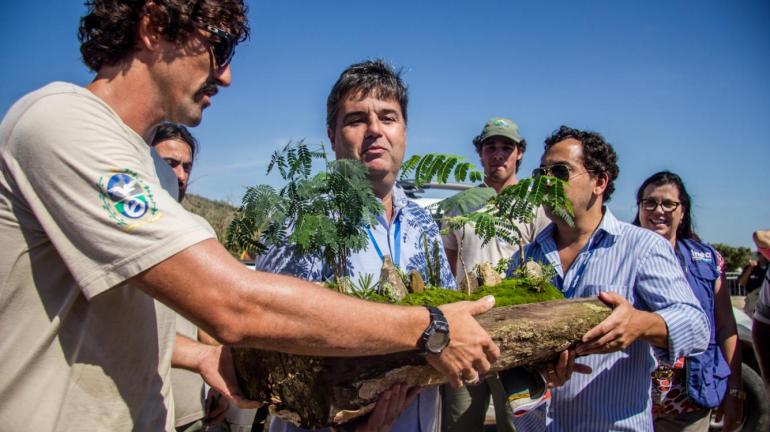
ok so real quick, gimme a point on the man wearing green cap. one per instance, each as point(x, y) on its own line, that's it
point(500, 148)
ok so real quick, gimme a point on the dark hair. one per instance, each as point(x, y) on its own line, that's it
point(177, 132)
point(107, 33)
point(598, 155)
point(522, 146)
point(662, 178)
point(372, 77)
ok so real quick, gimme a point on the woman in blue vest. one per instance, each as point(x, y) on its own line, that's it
point(685, 393)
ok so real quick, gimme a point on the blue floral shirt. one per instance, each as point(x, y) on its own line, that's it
point(404, 239)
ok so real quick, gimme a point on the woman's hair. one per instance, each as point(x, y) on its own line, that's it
point(662, 178)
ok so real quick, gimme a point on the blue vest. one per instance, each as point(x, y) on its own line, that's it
point(707, 372)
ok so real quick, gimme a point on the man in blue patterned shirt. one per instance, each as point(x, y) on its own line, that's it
point(366, 121)
point(632, 270)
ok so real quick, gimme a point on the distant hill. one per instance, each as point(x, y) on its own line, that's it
point(217, 213)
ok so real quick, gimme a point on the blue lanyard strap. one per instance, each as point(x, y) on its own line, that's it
point(396, 247)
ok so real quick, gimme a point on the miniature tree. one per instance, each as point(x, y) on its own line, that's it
point(495, 214)
point(327, 213)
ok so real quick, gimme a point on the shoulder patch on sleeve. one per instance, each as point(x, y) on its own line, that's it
point(128, 200)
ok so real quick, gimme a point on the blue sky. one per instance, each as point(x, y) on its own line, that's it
point(679, 85)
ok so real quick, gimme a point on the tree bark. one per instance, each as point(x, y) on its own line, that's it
point(316, 392)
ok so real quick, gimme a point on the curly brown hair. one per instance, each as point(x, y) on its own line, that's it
point(598, 154)
point(107, 33)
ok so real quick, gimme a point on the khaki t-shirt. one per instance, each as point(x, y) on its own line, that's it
point(82, 210)
point(475, 251)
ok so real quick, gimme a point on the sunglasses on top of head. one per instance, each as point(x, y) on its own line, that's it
point(222, 45)
point(560, 171)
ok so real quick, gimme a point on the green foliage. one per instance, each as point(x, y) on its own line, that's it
point(217, 213)
point(432, 253)
point(258, 221)
point(465, 201)
point(495, 215)
point(439, 167)
point(502, 265)
point(519, 202)
point(509, 292)
point(329, 211)
point(735, 257)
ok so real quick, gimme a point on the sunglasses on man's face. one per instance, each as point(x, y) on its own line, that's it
point(222, 45)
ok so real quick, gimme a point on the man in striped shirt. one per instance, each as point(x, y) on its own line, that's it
point(632, 270)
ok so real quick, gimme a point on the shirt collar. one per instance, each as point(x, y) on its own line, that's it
point(609, 224)
point(400, 199)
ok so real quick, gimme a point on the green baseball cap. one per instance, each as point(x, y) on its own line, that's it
point(499, 126)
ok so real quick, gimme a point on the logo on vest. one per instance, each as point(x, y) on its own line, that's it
point(128, 200)
point(701, 256)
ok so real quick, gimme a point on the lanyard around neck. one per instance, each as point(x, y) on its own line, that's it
point(396, 240)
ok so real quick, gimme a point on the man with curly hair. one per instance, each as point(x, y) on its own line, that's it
point(632, 270)
point(93, 235)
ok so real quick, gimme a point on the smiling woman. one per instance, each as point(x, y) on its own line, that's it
point(684, 393)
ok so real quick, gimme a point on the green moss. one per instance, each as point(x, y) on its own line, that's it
point(509, 292)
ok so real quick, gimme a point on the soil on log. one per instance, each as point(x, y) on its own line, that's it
point(315, 392)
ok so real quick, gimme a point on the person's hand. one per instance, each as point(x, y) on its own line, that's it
point(730, 412)
point(752, 263)
point(560, 371)
point(216, 408)
point(617, 331)
point(471, 351)
point(216, 368)
point(391, 403)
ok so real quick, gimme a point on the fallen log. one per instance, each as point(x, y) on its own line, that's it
point(315, 392)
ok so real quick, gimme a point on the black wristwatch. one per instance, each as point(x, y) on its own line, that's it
point(436, 337)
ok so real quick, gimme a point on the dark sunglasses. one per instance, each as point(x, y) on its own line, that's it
point(222, 45)
point(560, 171)
point(649, 204)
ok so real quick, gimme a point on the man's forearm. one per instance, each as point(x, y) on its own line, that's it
point(242, 307)
point(187, 353)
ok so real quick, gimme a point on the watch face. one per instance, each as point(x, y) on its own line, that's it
point(437, 341)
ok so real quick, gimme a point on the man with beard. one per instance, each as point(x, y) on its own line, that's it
point(92, 238)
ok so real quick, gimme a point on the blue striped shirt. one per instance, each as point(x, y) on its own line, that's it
point(641, 266)
point(404, 240)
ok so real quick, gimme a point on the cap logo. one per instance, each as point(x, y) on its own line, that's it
point(500, 122)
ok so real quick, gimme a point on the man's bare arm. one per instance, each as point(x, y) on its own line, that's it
point(238, 306)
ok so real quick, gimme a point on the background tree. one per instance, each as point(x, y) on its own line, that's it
point(735, 257)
